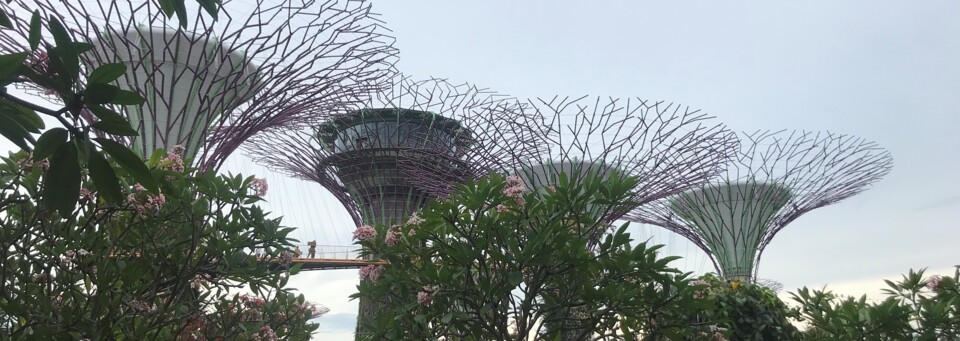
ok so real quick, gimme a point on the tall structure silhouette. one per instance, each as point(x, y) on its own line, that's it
point(365, 155)
point(211, 86)
point(668, 147)
point(776, 178)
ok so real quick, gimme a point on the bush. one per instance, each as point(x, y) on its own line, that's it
point(154, 265)
point(496, 261)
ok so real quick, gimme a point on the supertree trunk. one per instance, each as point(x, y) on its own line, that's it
point(775, 178)
point(364, 156)
point(668, 147)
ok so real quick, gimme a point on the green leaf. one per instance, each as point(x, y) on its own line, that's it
point(10, 63)
point(13, 131)
point(211, 6)
point(121, 128)
point(65, 49)
point(104, 177)
point(107, 73)
point(167, 7)
point(34, 37)
point(130, 162)
point(181, 9)
point(27, 118)
point(111, 122)
point(5, 20)
point(100, 93)
point(49, 142)
point(515, 278)
point(61, 187)
point(126, 97)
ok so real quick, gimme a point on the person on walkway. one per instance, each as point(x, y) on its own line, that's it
point(312, 252)
point(296, 252)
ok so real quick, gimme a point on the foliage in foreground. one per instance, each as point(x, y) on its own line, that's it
point(498, 262)
point(154, 266)
point(916, 308)
point(749, 311)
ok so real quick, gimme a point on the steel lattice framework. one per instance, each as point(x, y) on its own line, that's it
point(366, 156)
point(668, 146)
point(260, 66)
point(776, 178)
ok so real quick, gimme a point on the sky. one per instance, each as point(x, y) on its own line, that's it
point(886, 71)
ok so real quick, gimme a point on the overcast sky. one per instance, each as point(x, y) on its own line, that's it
point(887, 71)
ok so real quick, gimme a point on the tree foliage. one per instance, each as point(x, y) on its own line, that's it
point(749, 311)
point(159, 266)
point(916, 308)
point(97, 243)
point(497, 262)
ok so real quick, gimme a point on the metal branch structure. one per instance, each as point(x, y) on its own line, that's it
point(261, 66)
point(366, 156)
point(667, 146)
point(776, 178)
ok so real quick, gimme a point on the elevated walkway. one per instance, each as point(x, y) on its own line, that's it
point(331, 257)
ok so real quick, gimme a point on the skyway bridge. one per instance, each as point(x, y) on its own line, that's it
point(331, 257)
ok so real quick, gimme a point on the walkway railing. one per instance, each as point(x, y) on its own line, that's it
point(330, 257)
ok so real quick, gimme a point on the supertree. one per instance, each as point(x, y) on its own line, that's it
point(776, 178)
point(363, 156)
point(256, 67)
point(668, 147)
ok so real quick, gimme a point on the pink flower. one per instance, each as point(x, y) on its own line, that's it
point(364, 233)
point(393, 238)
point(173, 162)
point(268, 333)
point(371, 273)
point(515, 187)
point(423, 297)
point(25, 164)
point(259, 186)
point(138, 186)
point(199, 281)
point(934, 283)
point(87, 194)
point(177, 149)
point(142, 307)
point(414, 220)
point(286, 258)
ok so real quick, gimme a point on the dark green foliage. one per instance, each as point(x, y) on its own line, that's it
point(917, 308)
point(19, 119)
point(488, 264)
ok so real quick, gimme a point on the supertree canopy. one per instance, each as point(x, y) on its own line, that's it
point(257, 67)
point(365, 156)
point(667, 146)
point(367, 146)
point(776, 178)
point(373, 158)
